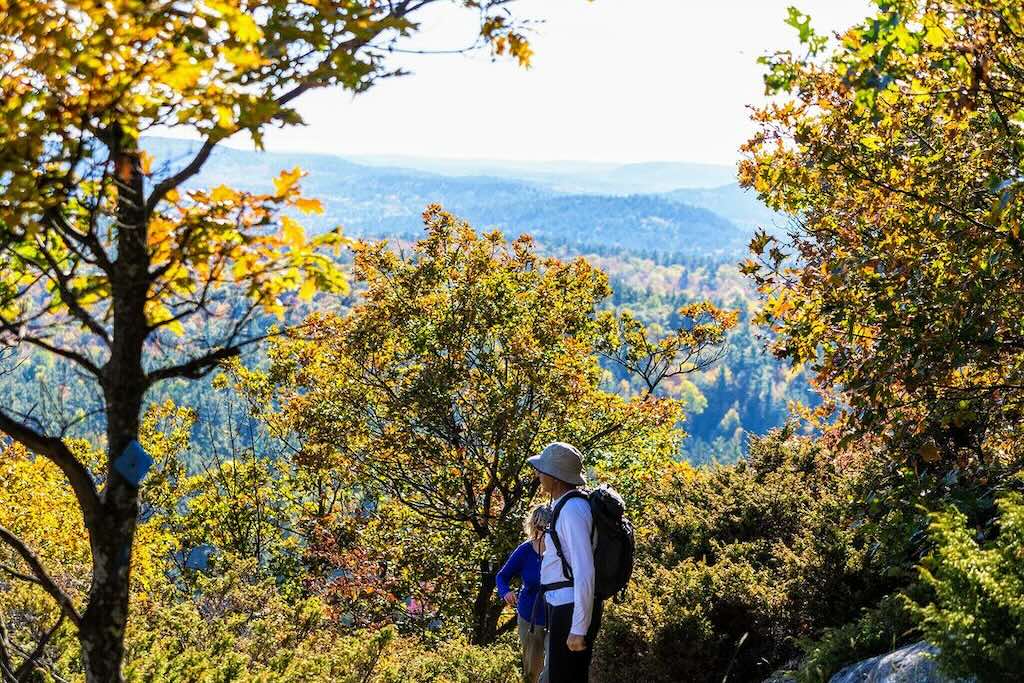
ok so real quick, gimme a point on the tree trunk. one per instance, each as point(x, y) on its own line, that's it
point(486, 608)
point(124, 386)
point(104, 621)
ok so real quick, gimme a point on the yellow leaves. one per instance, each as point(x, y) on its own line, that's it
point(159, 233)
point(275, 308)
point(515, 46)
point(183, 76)
point(158, 314)
point(245, 28)
point(225, 117)
point(223, 193)
point(146, 162)
point(284, 182)
point(244, 58)
point(308, 289)
point(242, 267)
point(223, 238)
point(37, 505)
point(872, 142)
point(934, 36)
point(242, 25)
point(506, 41)
point(294, 235)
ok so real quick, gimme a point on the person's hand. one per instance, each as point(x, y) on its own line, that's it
point(510, 598)
point(576, 643)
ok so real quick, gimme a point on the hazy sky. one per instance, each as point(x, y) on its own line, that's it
point(612, 80)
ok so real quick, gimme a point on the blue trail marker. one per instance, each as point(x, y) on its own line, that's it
point(133, 464)
point(199, 557)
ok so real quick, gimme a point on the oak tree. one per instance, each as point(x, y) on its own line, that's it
point(463, 358)
point(897, 151)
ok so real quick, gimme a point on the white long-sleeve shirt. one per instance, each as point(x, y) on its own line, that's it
point(574, 532)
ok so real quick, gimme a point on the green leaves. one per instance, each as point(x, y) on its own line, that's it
point(976, 615)
point(802, 23)
point(462, 359)
point(894, 160)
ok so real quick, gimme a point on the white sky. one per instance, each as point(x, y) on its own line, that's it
point(612, 80)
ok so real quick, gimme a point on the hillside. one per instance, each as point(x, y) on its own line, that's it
point(387, 201)
point(733, 203)
point(660, 251)
point(584, 177)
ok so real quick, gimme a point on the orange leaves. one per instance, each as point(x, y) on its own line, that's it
point(218, 238)
point(779, 305)
point(146, 162)
point(505, 40)
point(310, 206)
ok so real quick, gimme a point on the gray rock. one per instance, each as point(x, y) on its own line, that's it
point(912, 664)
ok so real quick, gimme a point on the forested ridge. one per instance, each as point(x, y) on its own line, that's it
point(659, 254)
point(269, 421)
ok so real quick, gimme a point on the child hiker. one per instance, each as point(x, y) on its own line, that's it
point(524, 563)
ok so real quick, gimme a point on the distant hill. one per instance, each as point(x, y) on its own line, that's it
point(375, 201)
point(636, 222)
point(731, 201)
point(585, 177)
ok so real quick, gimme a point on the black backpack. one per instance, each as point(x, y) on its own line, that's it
point(615, 547)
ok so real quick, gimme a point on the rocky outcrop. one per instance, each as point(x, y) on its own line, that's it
point(912, 664)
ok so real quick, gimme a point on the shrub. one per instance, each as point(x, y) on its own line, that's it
point(879, 629)
point(738, 563)
point(689, 623)
point(977, 614)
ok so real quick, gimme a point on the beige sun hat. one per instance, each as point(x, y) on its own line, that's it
point(561, 461)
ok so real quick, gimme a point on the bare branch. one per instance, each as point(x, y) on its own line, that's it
point(88, 239)
point(30, 661)
point(6, 667)
point(201, 365)
point(172, 182)
point(65, 353)
point(14, 573)
point(59, 454)
point(45, 581)
point(60, 278)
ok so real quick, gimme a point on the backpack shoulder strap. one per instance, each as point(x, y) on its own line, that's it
point(575, 493)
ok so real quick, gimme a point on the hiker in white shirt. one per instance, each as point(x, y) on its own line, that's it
point(573, 616)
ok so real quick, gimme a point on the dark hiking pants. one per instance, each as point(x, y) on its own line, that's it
point(562, 665)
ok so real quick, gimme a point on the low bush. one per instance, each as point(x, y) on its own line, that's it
point(744, 560)
point(977, 614)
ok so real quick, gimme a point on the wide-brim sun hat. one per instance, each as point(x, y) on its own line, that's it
point(561, 461)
